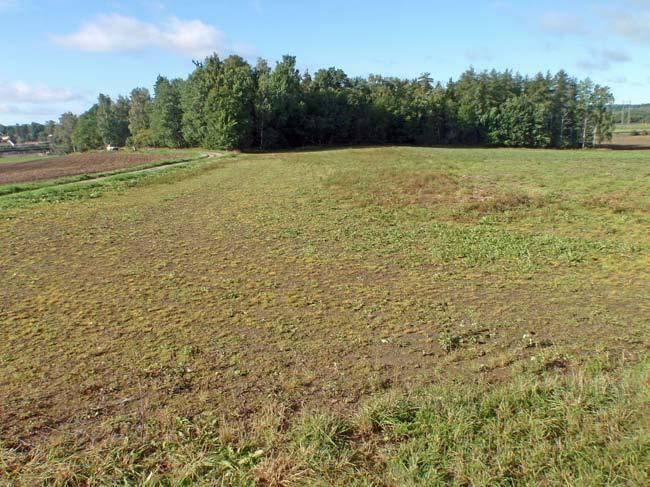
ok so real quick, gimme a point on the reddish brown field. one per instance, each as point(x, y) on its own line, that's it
point(630, 142)
point(73, 165)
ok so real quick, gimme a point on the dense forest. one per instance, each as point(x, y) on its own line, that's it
point(229, 104)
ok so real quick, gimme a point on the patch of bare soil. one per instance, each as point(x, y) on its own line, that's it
point(629, 142)
point(73, 165)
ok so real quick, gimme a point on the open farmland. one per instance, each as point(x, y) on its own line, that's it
point(629, 142)
point(631, 127)
point(261, 319)
point(21, 158)
point(76, 164)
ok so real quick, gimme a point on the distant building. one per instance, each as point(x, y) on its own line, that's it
point(5, 139)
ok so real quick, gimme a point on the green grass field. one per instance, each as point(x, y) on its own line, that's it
point(630, 127)
point(31, 157)
point(368, 316)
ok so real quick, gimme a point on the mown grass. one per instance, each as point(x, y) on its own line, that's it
point(233, 322)
point(588, 427)
point(630, 127)
point(13, 159)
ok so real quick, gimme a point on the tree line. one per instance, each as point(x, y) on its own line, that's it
point(631, 114)
point(28, 132)
point(230, 104)
point(56, 135)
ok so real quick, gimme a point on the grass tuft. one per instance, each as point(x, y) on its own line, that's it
point(589, 428)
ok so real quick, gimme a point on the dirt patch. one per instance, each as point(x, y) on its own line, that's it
point(73, 165)
point(629, 142)
point(618, 202)
point(497, 200)
point(439, 189)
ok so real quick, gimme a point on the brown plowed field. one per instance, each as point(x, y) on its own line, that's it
point(629, 142)
point(73, 165)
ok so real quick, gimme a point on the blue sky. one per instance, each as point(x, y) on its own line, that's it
point(59, 55)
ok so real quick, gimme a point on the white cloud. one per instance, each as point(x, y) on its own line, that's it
point(617, 80)
point(624, 19)
point(602, 59)
point(11, 109)
point(633, 25)
point(479, 54)
point(120, 33)
point(6, 4)
point(614, 55)
point(34, 111)
point(563, 23)
point(19, 92)
point(23, 102)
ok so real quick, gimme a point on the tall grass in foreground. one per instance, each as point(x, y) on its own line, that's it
point(585, 428)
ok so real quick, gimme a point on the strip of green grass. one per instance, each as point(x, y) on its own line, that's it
point(629, 127)
point(586, 428)
point(14, 159)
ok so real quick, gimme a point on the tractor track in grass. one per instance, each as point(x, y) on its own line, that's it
point(207, 155)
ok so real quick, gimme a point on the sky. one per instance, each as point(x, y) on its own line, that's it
point(59, 55)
